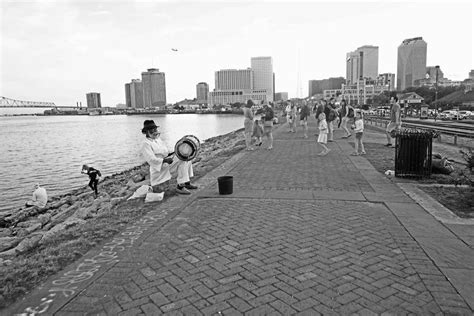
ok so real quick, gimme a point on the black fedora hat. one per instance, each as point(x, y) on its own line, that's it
point(148, 125)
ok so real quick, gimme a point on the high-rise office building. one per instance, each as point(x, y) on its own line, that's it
point(154, 88)
point(231, 79)
point(202, 91)
point(318, 86)
point(93, 100)
point(128, 100)
point(136, 94)
point(471, 74)
point(362, 63)
point(411, 63)
point(262, 68)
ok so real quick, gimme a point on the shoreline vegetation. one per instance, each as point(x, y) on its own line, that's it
point(35, 244)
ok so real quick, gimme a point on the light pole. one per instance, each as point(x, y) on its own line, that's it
point(436, 86)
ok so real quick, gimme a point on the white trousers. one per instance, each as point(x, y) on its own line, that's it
point(185, 171)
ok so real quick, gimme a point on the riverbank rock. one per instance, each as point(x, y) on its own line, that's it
point(5, 232)
point(54, 231)
point(25, 228)
point(44, 219)
point(28, 243)
point(8, 243)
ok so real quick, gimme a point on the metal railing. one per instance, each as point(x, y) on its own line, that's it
point(457, 137)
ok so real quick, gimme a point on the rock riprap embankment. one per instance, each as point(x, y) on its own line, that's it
point(25, 228)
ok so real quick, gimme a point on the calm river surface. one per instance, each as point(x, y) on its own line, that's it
point(52, 149)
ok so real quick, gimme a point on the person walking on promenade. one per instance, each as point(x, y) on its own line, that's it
point(395, 119)
point(291, 113)
point(267, 117)
point(323, 134)
point(330, 116)
point(94, 177)
point(156, 154)
point(347, 112)
point(359, 134)
point(304, 115)
point(248, 124)
point(40, 197)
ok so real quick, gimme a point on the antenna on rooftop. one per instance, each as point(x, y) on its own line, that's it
point(299, 88)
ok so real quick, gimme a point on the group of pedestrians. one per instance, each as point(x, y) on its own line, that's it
point(327, 115)
point(258, 124)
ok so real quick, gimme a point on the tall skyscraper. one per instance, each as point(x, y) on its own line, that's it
point(128, 100)
point(202, 91)
point(136, 94)
point(411, 63)
point(154, 88)
point(362, 63)
point(231, 79)
point(93, 100)
point(471, 74)
point(262, 68)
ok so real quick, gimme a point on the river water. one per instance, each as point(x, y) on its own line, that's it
point(51, 150)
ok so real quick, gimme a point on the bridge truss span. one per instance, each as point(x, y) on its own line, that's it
point(11, 103)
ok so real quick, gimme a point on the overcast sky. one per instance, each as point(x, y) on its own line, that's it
point(57, 51)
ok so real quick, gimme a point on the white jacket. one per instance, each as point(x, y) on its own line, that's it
point(154, 151)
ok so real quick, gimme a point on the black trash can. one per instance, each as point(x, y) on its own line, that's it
point(413, 150)
point(226, 184)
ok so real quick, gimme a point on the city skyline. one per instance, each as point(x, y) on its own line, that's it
point(82, 47)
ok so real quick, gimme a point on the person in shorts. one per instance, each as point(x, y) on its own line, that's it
point(395, 120)
point(304, 115)
point(359, 133)
point(267, 116)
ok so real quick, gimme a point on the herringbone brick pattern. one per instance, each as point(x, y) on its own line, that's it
point(259, 257)
point(295, 165)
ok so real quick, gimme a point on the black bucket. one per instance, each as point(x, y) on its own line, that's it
point(226, 184)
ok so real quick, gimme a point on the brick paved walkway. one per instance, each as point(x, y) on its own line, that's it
point(301, 234)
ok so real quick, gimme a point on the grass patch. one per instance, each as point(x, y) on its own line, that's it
point(459, 200)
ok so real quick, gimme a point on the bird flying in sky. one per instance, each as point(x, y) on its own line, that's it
point(174, 49)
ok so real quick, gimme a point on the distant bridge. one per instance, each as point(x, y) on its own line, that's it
point(11, 103)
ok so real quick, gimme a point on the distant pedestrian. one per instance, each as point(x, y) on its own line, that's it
point(40, 197)
point(94, 177)
point(347, 113)
point(323, 134)
point(331, 116)
point(395, 120)
point(304, 115)
point(248, 124)
point(257, 131)
point(267, 116)
point(359, 134)
point(291, 113)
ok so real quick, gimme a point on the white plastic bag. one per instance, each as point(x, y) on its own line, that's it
point(154, 197)
point(141, 192)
